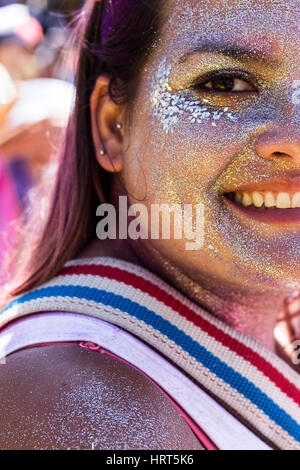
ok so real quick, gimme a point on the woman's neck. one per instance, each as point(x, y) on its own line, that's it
point(253, 313)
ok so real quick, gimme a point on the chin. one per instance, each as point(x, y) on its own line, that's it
point(277, 277)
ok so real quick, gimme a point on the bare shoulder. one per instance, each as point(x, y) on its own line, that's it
point(66, 397)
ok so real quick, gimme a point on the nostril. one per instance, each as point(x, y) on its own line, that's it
point(278, 144)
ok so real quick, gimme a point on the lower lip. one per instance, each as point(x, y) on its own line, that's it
point(268, 215)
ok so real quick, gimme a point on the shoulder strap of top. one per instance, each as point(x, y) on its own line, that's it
point(211, 418)
point(248, 379)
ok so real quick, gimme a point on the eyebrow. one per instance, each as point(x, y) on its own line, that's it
point(236, 52)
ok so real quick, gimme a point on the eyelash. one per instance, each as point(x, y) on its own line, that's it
point(198, 84)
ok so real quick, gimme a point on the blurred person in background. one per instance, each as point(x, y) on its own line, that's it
point(10, 203)
point(33, 126)
point(20, 34)
point(34, 110)
point(32, 123)
point(9, 213)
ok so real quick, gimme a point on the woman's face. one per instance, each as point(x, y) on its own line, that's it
point(217, 112)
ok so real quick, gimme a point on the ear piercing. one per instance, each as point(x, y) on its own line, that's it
point(118, 126)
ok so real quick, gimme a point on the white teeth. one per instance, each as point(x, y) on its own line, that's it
point(257, 199)
point(281, 200)
point(296, 200)
point(247, 200)
point(270, 200)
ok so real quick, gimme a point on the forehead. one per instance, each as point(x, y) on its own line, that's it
point(260, 24)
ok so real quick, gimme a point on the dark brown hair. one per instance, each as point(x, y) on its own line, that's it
point(113, 37)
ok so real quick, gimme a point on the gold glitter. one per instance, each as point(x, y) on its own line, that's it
point(194, 148)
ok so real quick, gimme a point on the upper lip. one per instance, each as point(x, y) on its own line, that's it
point(286, 182)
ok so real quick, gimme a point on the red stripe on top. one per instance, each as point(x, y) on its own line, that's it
point(232, 343)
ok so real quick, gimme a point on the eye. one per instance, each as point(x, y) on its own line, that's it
point(226, 83)
point(226, 88)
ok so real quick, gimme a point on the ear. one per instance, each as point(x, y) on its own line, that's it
point(105, 115)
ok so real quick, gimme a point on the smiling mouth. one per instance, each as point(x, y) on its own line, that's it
point(266, 199)
point(267, 206)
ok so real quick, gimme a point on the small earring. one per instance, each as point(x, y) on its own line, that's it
point(119, 125)
point(102, 152)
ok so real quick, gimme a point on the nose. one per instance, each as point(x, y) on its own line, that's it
point(274, 144)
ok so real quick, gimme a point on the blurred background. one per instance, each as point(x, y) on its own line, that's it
point(36, 98)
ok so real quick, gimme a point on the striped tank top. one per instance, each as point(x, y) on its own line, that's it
point(238, 392)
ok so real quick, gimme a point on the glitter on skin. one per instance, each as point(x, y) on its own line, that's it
point(196, 163)
point(168, 105)
point(83, 400)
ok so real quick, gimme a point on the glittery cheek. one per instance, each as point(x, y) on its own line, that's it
point(180, 113)
point(191, 145)
point(201, 142)
point(170, 107)
point(200, 148)
point(200, 137)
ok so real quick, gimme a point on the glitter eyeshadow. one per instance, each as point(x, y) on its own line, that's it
point(169, 105)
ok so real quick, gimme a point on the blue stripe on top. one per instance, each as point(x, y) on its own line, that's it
point(213, 363)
